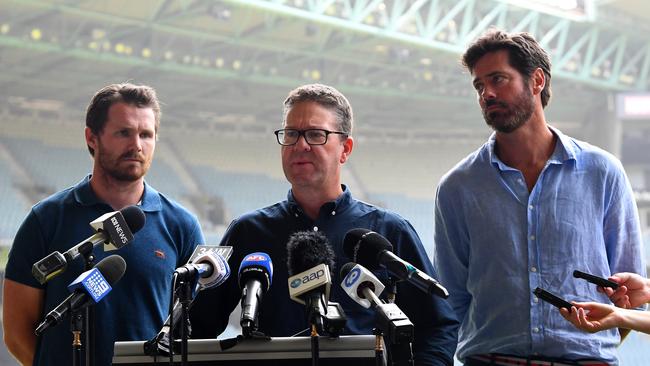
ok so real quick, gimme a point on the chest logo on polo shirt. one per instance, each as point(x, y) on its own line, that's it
point(159, 254)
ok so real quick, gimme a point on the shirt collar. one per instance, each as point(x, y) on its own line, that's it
point(342, 202)
point(564, 151)
point(84, 195)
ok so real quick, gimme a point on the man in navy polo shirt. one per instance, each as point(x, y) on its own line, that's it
point(315, 143)
point(122, 123)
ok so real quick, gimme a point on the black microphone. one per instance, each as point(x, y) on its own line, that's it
point(114, 230)
point(370, 249)
point(89, 288)
point(309, 259)
point(255, 278)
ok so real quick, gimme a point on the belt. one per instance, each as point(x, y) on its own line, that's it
point(508, 360)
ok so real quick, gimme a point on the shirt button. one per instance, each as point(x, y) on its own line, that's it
point(533, 269)
point(535, 299)
point(333, 213)
point(295, 214)
point(531, 207)
point(536, 330)
point(532, 237)
point(315, 228)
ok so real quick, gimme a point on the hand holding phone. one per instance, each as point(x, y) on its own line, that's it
point(552, 299)
point(600, 281)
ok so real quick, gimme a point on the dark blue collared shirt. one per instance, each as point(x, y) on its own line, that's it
point(268, 230)
point(138, 304)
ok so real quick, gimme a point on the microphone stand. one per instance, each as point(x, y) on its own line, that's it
point(185, 298)
point(379, 349)
point(89, 312)
point(77, 321)
point(314, 345)
point(400, 354)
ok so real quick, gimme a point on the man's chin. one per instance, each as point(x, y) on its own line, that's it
point(128, 176)
point(503, 127)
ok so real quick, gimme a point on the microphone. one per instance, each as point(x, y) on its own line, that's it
point(255, 278)
point(361, 285)
point(364, 288)
point(371, 249)
point(309, 258)
point(87, 289)
point(207, 266)
point(114, 229)
point(202, 263)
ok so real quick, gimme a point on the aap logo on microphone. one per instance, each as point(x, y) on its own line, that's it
point(295, 283)
point(352, 277)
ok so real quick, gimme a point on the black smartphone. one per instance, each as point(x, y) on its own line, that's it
point(600, 281)
point(552, 299)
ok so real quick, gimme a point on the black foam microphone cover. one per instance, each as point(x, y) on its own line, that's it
point(112, 268)
point(307, 249)
point(346, 269)
point(134, 217)
point(363, 246)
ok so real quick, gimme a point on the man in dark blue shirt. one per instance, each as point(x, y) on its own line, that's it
point(122, 124)
point(316, 142)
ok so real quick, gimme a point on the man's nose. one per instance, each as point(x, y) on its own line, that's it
point(302, 144)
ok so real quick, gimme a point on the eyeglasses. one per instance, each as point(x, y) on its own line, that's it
point(313, 136)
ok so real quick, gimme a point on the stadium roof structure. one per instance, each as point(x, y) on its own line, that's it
point(219, 62)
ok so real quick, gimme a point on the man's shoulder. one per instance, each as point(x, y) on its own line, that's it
point(56, 201)
point(469, 166)
point(593, 155)
point(173, 210)
point(386, 217)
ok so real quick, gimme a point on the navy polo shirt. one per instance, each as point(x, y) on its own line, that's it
point(138, 304)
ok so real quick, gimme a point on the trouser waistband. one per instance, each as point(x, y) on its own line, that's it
point(495, 359)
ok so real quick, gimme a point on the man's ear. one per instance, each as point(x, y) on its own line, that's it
point(348, 145)
point(91, 139)
point(539, 81)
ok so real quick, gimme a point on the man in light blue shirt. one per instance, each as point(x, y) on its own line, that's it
point(525, 210)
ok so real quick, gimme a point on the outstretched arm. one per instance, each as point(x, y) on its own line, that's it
point(593, 317)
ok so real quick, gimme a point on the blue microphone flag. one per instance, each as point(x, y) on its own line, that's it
point(93, 283)
point(258, 259)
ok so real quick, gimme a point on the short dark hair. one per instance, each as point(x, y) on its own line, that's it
point(524, 54)
point(141, 96)
point(327, 97)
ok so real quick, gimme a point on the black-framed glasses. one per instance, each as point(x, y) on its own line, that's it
point(313, 136)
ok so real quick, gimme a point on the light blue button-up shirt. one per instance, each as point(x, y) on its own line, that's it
point(495, 242)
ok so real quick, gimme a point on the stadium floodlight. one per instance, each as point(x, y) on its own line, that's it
point(576, 10)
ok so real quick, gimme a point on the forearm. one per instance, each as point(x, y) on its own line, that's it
point(21, 311)
point(634, 319)
point(21, 346)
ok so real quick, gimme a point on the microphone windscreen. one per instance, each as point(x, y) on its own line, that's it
point(134, 217)
point(307, 249)
point(363, 246)
point(258, 266)
point(346, 269)
point(112, 268)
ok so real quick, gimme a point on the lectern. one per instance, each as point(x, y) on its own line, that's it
point(358, 350)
